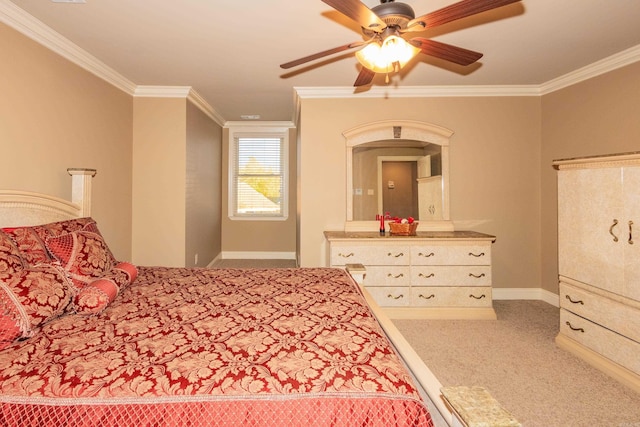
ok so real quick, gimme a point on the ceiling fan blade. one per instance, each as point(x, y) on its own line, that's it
point(446, 51)
point(455, 11)
point(319, 55)
point(359, 12)
point(364, 77)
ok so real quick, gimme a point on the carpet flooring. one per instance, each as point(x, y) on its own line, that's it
point(515, 358)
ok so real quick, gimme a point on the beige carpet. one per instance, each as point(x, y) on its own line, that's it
point(516, 359)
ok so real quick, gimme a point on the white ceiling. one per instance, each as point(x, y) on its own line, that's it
point(229, 51)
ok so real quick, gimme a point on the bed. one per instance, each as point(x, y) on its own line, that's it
point(87, 339)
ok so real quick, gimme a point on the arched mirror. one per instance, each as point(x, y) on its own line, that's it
point(400, 167)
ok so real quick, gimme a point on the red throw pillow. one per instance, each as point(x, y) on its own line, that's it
point(59, 228)
point(10, 259)
point(95, 297)
point(30, 245)
point(83, 254)
point(31, 240)
point(30, 298)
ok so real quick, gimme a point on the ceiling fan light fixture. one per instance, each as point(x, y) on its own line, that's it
point(390, 55)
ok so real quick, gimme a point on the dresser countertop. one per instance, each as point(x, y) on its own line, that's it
point(444, 235)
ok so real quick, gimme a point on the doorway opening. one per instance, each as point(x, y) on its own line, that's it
point(398, 187)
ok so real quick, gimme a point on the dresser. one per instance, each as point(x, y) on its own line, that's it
point(599, 262)
point(444, 274)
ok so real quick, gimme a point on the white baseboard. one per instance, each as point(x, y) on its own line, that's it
point(257, 255)
point(526, 293)
point(213, 261)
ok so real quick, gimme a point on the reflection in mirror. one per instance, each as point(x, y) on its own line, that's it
point(403, 178)
point(400, 167)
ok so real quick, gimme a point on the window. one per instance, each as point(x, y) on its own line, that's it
point(258, 176)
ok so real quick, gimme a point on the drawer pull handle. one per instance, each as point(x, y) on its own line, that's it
point(397, 276)
point(615, 222)
point(480, 297)
point(430, 254)
point(574, 302)
point(630, 241)
point(398, 255)
point(426, 276)
point(476, 255)
point(398, 297)
point(477, 276)
point(350, 254)
point(429, 297)
point(574, 329)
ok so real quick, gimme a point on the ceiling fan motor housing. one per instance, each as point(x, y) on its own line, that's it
point(394, 13)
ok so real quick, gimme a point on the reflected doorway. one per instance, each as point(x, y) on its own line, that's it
point(399, 188)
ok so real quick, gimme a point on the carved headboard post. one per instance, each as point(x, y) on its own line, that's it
point(81, 188)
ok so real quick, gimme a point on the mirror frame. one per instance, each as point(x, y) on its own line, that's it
point(390, 130)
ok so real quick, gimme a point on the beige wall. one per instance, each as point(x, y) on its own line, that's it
point(159, 176)
point(494, 167)
point(203, 187)
point(176, 183)
point(278, 237)
point(55, 115)
point(597, 116)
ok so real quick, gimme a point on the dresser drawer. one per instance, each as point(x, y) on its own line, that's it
point(435, 296)
point(387, 276)
point(391, 296)
point(438, 275)
point(611, 314)
point(451, 255)
point(370, 255)
point(609, 344)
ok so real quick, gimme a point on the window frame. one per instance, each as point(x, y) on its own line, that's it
point(235, 134)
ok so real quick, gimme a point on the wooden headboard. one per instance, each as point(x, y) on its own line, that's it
point(23, 208)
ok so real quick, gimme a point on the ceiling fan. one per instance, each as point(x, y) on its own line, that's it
point(388, 28)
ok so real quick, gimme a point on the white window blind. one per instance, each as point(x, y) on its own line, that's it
point(259, 180)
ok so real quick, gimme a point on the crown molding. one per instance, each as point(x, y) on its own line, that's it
point(259, 124)
point(186, 92)
point(33, 28)
point(613, 62)
point(197, 100)
point(416, 91)
point(142, 91)
point(36, 30)
point(603, 66)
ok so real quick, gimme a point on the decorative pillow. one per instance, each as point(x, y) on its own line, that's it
point(130, 269)
point(93, 227)
point(31, 240)
point(30, 298)
point(95, 297)
point(30, 245)
point(10, 259)
point(84, 255)
point(59, 228)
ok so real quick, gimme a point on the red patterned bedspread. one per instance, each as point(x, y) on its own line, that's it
point(214, 347)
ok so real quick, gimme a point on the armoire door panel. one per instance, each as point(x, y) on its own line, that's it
point(590, 207)
point(631, 225)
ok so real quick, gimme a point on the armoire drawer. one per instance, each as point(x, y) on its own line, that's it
point(609, 344)
point(391, 296)
point(451, 255)
point(387, 275)
point(611, 314)
point(436, 296)
point(438, 275)
point(370, 255)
